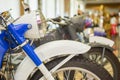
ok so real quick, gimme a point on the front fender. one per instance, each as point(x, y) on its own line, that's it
point(47, 51)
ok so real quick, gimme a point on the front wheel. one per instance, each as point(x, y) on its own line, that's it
point(76, 69)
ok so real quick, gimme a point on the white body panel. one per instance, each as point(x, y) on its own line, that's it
point(101, 40)
point(30, 18)
point(48, 50)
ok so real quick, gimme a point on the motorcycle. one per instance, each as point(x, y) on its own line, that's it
point(101, 48)
point(56, 60)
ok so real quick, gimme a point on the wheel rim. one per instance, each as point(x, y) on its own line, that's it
point(74, 73)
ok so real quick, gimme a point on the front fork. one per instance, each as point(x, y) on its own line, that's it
point(30, 52)
point(18, 31)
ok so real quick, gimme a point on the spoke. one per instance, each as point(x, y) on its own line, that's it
point(67, 74)
point(93, 57)
point(84, 75)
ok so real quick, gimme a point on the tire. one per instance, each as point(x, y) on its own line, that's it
point(109, 59)
point(76, 63)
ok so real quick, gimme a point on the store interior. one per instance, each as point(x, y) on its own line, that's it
point(93, 24)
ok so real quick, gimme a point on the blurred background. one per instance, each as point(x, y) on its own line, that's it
point(54, 8)
point(102, 13)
